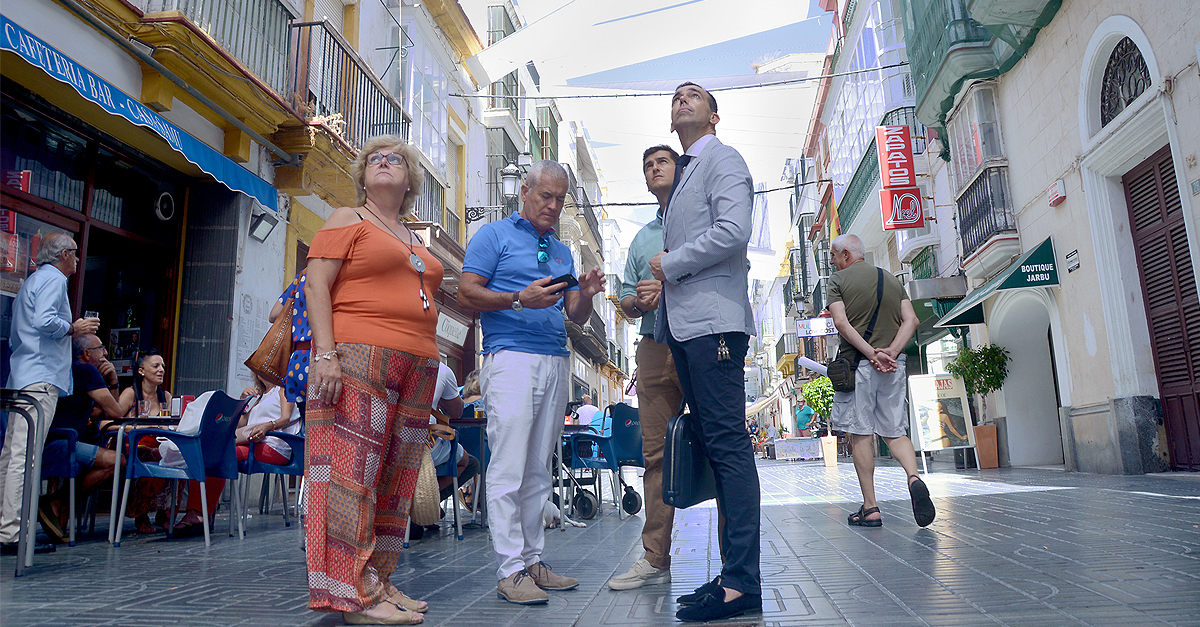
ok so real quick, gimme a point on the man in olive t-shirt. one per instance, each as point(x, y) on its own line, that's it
point(877, 405)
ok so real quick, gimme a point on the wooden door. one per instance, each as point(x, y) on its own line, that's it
point(1172, 306)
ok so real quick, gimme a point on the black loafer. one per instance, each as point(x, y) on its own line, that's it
point(701, 592)
point(714, 607)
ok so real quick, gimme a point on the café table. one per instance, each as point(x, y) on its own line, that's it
point(171, 422)
point(559, 467)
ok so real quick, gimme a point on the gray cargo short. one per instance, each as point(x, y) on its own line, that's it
point(878, 404)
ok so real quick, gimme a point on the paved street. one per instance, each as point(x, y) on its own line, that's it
point(1009, 547)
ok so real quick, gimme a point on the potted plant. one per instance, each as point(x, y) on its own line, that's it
point(983, 370)
point(818, 393)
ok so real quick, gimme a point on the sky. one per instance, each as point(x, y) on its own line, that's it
point(604, 47)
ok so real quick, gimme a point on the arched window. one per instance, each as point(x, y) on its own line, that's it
point(1125, 78)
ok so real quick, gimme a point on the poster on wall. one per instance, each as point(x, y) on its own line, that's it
point(939, 412)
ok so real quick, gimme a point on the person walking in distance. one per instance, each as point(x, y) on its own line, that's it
point(508, 275)
point(704, 315)
point(659, 393)
point(877, 405)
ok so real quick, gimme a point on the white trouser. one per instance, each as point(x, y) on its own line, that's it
point(12, 458)
point(526, 399)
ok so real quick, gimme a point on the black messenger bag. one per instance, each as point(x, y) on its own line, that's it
point(687, 475)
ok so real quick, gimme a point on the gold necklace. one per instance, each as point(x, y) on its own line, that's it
point(418, 264)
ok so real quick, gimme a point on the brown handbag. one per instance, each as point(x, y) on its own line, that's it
point(270, 360)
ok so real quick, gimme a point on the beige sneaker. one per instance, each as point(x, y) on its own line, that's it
point(641, 574)
point(547, 580)
point(521, 589)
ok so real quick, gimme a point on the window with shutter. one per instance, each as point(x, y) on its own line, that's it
point(1172, 305)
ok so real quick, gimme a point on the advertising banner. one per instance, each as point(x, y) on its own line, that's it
point(940, 415)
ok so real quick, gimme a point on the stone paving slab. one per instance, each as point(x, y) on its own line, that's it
point(1012, 547)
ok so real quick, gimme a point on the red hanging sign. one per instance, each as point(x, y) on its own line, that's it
point(900, 200)
point(901, 208)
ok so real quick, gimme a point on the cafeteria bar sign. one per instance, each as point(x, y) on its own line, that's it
point(900, 198)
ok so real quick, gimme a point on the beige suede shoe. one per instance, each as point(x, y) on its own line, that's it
point(520, 588)
point(547, 580)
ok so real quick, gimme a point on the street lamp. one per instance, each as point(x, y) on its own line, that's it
point(510, 177)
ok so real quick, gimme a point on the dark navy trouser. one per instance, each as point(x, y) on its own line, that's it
point(715, 392)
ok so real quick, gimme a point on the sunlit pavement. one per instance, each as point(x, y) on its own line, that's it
point(1020, 547)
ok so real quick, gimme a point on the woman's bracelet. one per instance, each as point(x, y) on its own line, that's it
point(327, 355)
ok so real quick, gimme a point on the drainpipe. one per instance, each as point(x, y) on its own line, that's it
point(112, 34)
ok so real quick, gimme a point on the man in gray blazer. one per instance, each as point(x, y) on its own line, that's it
point(704, 316)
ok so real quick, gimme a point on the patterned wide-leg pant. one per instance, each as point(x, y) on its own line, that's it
point(363, 455)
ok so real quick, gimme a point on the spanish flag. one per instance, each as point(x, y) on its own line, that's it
point(834, 223)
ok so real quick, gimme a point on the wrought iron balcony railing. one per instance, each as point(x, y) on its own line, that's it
point(329, 76)
point(985, 209)
point(255, 32)
point(786, 345)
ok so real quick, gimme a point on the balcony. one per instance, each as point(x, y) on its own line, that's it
point(945, 47)
point(616, 357)
point(336, 84)
point(924, 265)
point(255, 32)
point(503, 95)
point(862, 183)
point(910, 242)
point(786, 351)
point(986, 223)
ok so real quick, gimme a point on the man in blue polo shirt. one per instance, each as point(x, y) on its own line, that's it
point(526, 377)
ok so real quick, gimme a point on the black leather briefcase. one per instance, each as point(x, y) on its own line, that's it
point(687, 475)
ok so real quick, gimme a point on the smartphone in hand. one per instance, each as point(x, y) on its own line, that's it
point(567, 281)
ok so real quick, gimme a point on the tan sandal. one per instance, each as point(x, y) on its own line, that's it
point(406, 603)
point(399, 617)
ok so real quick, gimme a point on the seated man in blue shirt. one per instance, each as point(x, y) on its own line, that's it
point(95, 389)
point(508, 275)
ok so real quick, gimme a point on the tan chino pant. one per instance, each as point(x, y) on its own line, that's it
point(659, 395)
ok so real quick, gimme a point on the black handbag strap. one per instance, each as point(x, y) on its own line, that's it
point(874, 316)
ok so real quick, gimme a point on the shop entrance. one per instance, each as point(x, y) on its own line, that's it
point(1020, 323)
point(1172, 307)
point(123, 209)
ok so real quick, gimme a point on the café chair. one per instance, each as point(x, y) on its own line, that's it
point(611, 453)
point(207, 453)
point(64, 467)
point(294, 468)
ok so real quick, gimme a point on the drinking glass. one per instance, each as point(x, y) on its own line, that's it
point(143, 408)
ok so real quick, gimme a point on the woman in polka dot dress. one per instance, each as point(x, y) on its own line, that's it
point(296, 381)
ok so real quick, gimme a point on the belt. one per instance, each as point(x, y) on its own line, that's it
point(301, 346)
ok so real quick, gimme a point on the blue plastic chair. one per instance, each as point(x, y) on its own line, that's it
point(65, 466)
point(469, 437)
point(294, 467)
point(611, 453)
point(208, 453)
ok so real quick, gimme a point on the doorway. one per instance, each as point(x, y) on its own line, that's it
point(1020, 322)
point(1172, 307)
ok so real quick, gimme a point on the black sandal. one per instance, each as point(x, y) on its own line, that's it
point(859, 518)
point(923, 510)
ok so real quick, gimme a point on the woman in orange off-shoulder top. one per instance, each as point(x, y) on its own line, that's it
point(372, 374)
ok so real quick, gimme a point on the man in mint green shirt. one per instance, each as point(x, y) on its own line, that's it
point(659, 392)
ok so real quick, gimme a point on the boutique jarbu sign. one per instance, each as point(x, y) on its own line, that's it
point(900, 199)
